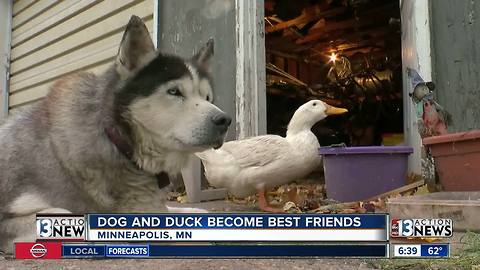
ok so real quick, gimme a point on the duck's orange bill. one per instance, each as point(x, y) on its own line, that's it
point(334, 110)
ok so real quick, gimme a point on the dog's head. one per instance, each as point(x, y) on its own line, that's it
point(165, 98)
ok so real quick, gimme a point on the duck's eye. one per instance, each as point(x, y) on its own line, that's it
point(314, 104)
point(174, 92)
point(208, 98)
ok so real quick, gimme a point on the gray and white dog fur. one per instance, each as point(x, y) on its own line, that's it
point(57, 157)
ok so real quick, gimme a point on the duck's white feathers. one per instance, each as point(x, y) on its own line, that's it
point(257, 151)
point(265, 161)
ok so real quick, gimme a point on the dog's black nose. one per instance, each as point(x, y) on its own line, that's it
point(222, 120)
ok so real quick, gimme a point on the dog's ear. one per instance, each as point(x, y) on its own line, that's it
point(136, 48)
point(204, 55)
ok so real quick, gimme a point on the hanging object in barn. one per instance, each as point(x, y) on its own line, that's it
point(433, 119)
point(341, 68)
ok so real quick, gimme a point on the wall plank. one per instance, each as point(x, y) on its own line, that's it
point(21, 5)
point(112, 25)
point(49, 18)
point(456, 54)
point(39, 91)
point(91, 16)
point(73, 59)
point(37, 8)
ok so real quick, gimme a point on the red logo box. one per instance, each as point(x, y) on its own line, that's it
point(394, 228)
point(38, 250)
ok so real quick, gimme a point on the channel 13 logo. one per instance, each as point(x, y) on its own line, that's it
point(66, 227)
point(433, 228)
point(44, 227)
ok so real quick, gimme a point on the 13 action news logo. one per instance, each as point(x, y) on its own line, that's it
point(422, 228)
point(65, 227)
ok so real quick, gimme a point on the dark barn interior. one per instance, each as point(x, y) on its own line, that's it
point(344, 52)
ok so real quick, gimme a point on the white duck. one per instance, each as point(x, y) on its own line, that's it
point(258, 163)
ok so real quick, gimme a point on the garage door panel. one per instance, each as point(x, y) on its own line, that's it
point(21, 5)
point(88, 17)
point(51, 17)
point(38, 92)
point(31, 12)
point(53, 38)
point(89, 35)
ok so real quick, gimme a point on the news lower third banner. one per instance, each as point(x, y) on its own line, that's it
point(236, 227)
point(174, 251)
point(59, 250)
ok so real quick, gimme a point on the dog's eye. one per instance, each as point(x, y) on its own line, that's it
point(174, 92)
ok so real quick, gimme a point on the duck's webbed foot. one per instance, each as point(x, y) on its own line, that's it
point(263, 203)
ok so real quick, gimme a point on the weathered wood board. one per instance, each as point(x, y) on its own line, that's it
point(456, 56)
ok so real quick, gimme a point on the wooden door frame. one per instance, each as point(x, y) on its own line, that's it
point(250, 99)
point(416, 54)
point(250, 52)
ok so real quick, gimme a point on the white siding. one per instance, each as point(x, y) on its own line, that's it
point(52, 38)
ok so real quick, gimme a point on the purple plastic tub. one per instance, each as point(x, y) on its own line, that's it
point(358, 173)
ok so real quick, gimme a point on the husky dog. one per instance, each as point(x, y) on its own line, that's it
point(104, 143)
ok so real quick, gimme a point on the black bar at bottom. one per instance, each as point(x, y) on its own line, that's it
point(268, 250)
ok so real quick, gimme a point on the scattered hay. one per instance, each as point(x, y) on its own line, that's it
point(309, 196)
